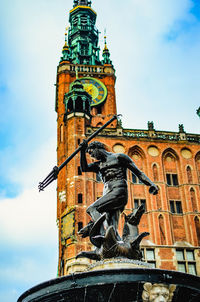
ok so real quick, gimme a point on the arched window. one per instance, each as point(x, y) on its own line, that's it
point(158, 201)
point(80, 226)
point(197, 160)
point(189, 175)
point(99, 110)
point(197, 225)
point(170, 162)
point(87, 106)
point(162, 230)
point(138, 157)
point(70, 106)
point(79, 104)
point(79, 170)
point(80, 198)
point(193, 199)
point(155, 172)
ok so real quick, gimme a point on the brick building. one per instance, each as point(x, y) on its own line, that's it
point(170, 159)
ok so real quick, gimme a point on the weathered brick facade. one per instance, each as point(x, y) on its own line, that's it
point(170, 159)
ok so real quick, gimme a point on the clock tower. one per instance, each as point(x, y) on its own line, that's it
point(85, 100)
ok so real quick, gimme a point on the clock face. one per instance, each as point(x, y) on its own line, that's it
point(96, 89)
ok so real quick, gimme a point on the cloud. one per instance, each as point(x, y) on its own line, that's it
point(155, 49)
point(29, 218)
point(156, 75)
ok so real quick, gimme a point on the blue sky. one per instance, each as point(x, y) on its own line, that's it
point(155, 48)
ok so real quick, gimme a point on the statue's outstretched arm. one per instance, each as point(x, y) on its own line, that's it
point(131, 166)
point(153, 188)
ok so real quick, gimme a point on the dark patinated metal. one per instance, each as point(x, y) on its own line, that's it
point(105, 212)
point(116, 285)
point(54, 173)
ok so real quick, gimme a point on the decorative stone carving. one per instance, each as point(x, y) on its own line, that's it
point(118, 148)
point(153, 151)
point(158, 292)
point(186, 153)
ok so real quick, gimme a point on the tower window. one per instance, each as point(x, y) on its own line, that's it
point(80, 226)
point(75, 21)
point(99, 110)
point(79, 170)
point(175, 206)
point(172, 179)
point(84, 19)
point(80, 198)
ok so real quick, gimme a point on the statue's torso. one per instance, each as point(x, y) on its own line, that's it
point(112, 169)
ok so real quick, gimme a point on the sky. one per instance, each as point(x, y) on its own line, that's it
point(154, 46)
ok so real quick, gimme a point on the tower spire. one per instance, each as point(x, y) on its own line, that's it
point(66, 50)
point(82, 2)
point(106, 53)
point(83, 36)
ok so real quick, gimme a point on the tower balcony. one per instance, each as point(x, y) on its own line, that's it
point(86, 70)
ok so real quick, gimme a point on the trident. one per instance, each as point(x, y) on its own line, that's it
point(54, 173)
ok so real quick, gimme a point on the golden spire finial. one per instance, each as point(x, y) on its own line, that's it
point(66, 33)
point(105, 37)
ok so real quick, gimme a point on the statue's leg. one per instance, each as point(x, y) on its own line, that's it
point(95, 214)
point(113, 219)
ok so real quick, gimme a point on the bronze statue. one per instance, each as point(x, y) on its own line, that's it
point(105, 212)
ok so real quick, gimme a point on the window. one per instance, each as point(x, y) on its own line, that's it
point(158, 200)
point(139, 202)
point(75, 21)
point(80, 226)
point(176, 206)
point(193, 199)
point(80, 198)
point(84, 19)
point(172, 179)
point(84, 50)
point(79, 170)
point(186, 261)
point(197, 226)
point(135, 179)
point(189, 175)
point(155, 172)
point(162, 230)
point(99, 110)
point(149, 256)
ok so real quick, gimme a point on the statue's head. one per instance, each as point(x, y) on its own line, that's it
point(158, 292)
point(96, 149)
